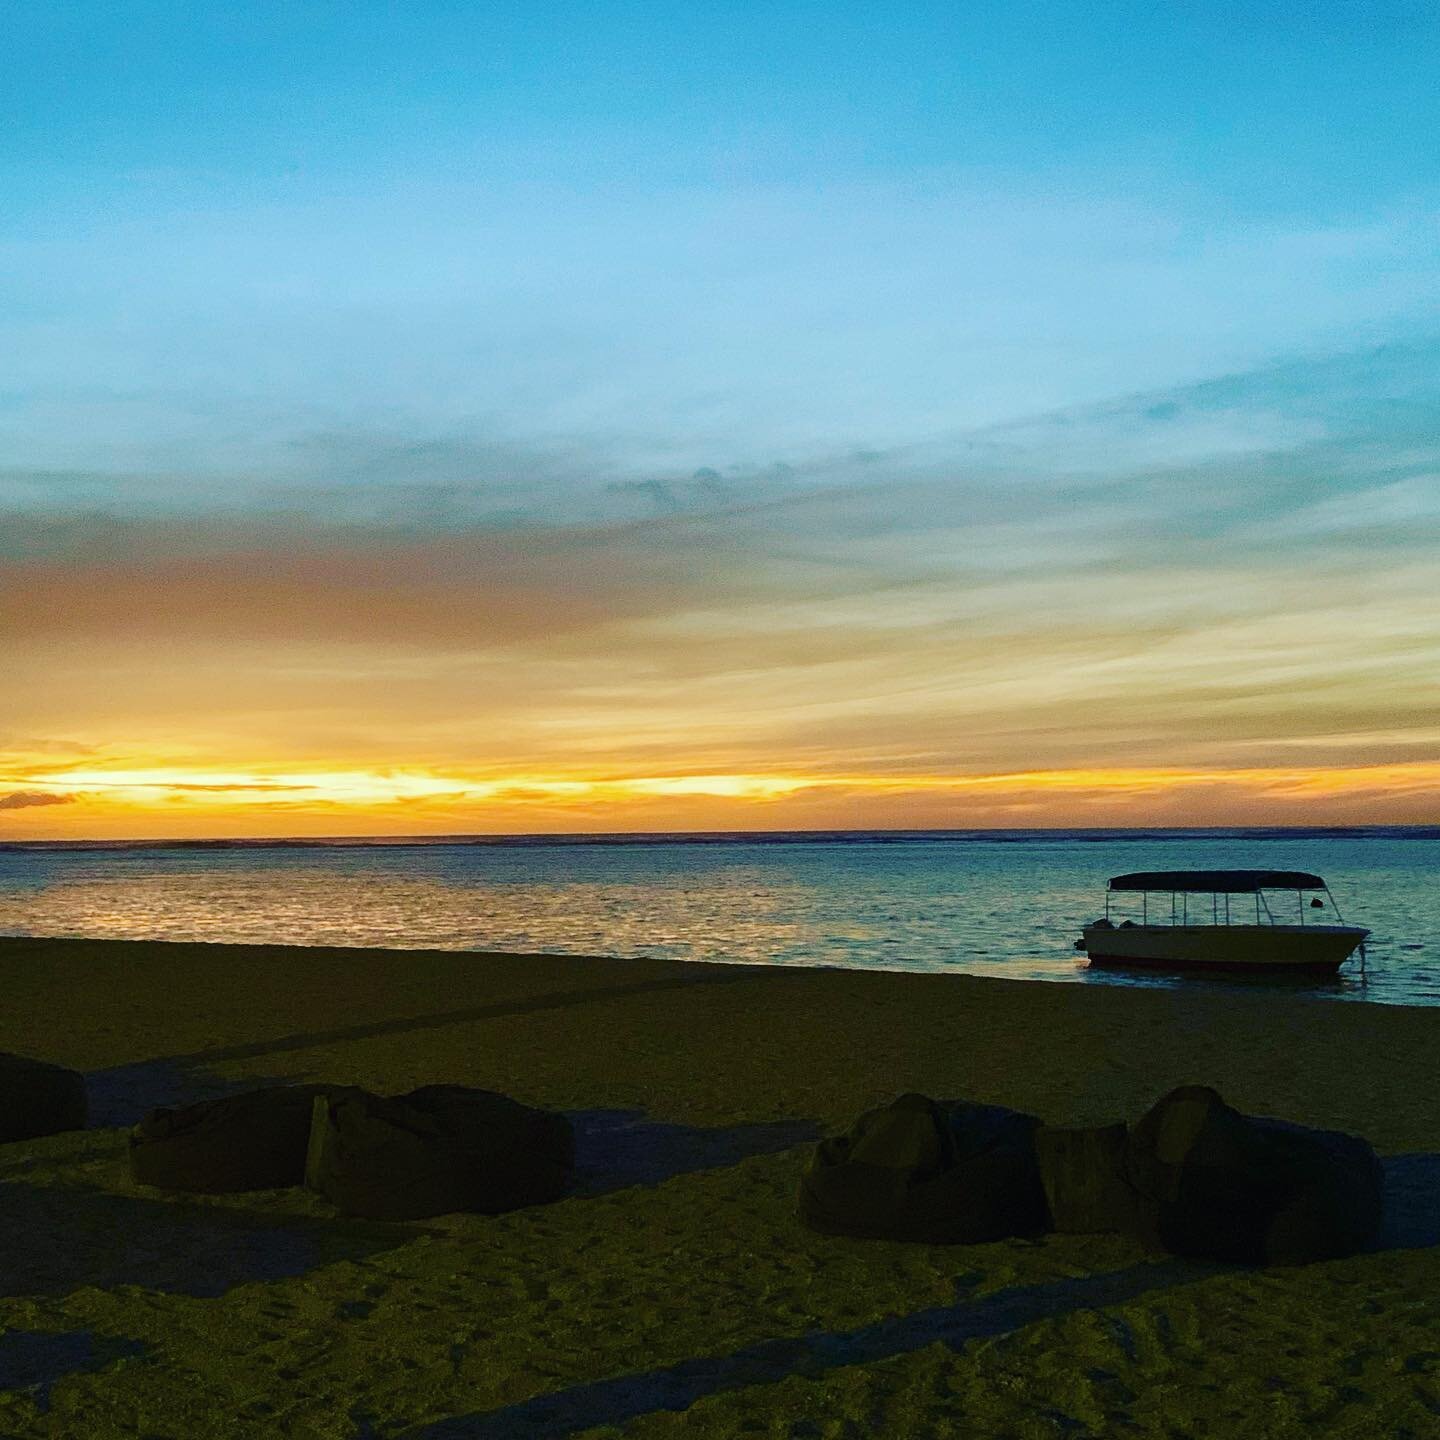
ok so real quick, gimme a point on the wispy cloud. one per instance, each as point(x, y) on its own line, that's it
point(28, 799)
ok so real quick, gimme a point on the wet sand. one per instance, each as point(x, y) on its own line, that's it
point(676, 1288)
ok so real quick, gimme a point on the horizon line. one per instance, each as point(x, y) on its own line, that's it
point(582, 837)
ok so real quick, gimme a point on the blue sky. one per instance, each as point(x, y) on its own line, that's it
point(817, 340)
point(754, 231)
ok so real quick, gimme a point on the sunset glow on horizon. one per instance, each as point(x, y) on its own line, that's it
point(85, 803)
point(440, 422)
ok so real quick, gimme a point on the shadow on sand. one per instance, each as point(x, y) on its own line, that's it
point(627, 1397)
point(618, 1149)
point(84, 1236)
point(555, 1000)
point(35, 1360)
point(1412, 1221)
point(78, 1237)
point(122, 1094)
point(1412, 1203)
point(87, 1237)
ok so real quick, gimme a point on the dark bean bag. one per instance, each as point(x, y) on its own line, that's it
point(940, 1173)
point(1212, 1183)
point(439, 1149)
point(37, 1098)
point(252, 1141)
point(1083, 1172)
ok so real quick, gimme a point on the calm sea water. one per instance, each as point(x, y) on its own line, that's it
point(1007, 903)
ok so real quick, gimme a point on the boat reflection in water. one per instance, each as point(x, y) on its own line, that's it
point(1228, 938)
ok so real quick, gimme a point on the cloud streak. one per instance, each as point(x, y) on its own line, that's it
point(29, 799)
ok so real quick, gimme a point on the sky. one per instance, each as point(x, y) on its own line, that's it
point(465, 418)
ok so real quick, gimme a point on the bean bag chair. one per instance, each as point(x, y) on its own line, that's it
point(439, 1149)
point(933, 1172)
point(1212, 1183)
point(37, 1098)
point(1083, 1172)
point(252, 1141)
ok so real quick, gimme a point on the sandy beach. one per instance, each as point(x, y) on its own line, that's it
point(676, 1288)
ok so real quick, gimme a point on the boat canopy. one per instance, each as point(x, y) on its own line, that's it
point(1214, 882)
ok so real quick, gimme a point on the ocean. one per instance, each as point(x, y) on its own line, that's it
point(1006, 903)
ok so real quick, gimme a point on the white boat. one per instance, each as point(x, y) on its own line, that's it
point(1167, 936)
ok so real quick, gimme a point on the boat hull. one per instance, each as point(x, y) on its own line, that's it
point(1252, 949)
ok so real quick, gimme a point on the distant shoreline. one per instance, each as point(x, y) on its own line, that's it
point(1097, 834)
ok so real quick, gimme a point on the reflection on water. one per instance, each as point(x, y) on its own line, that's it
point(983, 906)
